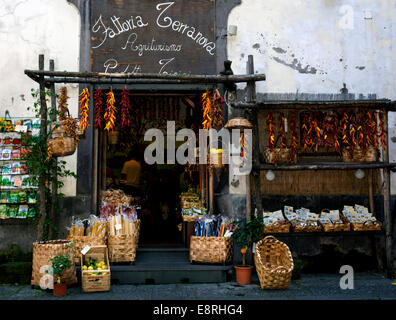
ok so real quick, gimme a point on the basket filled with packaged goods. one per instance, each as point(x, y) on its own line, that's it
point(361, 219)
point(95, 269)
point(212, 242)
point(94, 234)
point(304, 221)
point(189, 199)
point(123, 238)
point(275, 222)
point(43, 251)
point(333, 221)
point(116, 198)
point(193, 213)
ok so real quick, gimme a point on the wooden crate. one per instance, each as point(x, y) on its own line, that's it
point(100, 281)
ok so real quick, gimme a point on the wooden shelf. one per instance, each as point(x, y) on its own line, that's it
point(327, 166)
point(325, 234)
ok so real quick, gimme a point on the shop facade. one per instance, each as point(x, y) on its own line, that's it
point(196, 38)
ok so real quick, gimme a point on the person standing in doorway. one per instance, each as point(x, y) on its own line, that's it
point(130, 174)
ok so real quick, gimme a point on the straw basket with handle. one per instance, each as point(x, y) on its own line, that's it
point(274, 263)
point(211, 249)
point(42, 253)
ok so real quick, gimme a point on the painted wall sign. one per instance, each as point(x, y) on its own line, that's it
point(153, 36)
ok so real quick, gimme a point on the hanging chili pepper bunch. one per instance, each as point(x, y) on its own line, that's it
point(98, 98)
point(344, 123)
point(371, 129)
point(304, 127)
point(84, 110)
point(206, 106)
point(125, 106)
point(282, 131)
point(109, 115)
point(360, 130)
point(327, 131)
point(271, 131)
point(315, 131)
point(294, 133)
point(382, 130)
point(62, 106)
point(217, 111)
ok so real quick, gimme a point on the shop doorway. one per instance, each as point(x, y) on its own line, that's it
point(158, 192)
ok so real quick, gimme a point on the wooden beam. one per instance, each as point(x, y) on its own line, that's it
point(328, 166)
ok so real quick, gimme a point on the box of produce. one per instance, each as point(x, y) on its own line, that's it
point(95, 269)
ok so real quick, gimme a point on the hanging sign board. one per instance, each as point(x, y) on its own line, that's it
point(153, 36)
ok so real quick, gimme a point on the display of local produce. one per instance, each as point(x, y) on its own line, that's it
point(121, 224)
point(303, 220)
point(95, 227)
point(360, 218)
point(275, 221)
point(93, 265)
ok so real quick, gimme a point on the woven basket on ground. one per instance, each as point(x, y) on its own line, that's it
point(211, 249)
point(274, 263)
point(42, 253)
point(96, 280)
point(123, 248)
point(277, 155)
point(370, 154)
point(80, 242)
point(277, 228)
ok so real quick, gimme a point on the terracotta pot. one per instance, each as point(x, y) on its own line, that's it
point(60, 290)
point(243, 274)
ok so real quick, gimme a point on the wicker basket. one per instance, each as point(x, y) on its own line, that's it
point(123, 248)
point(277, 228)
point(43, 252)
point(58, 129)
point(211, 249)
point(80, 242)
point(274, 263)
point(366, 226)
point(188, 202)
point(101, 281)
point(190, 218)
point(360, 155)
point(311, 228)
point(278, 155)
point(62, 146)
point(336, 227)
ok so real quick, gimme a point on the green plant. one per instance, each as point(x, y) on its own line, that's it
point(246, 233)
point(45, 172)
point(60, 263)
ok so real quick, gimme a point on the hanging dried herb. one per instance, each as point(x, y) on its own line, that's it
point(62, 106)
point(125, 106)
point(109, 115)
point(84, 110)
point(271, 131)
point(98, 98)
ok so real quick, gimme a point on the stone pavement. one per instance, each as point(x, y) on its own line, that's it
point(367, 286)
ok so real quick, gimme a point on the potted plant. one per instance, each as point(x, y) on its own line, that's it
point(60, 263)
point(245, 234)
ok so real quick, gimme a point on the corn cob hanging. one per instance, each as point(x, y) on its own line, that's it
point(109, 115)
point(84, 110)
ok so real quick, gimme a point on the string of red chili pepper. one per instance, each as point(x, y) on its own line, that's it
point(327, 131)
point(125, 106)
point(375, 131)
point(344, 129)
point(109, 115)
point(98, 111)
point(305, 132)
point(359, 130)
point(382, 133)
point(271, 136)
point(84, 110)
point(317, 131)
point(282, 131)
point(294, 132)
point(371, 123)
point(352, 129)
point(206, 106)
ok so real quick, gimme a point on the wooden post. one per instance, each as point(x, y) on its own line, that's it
point(251, 97)
point(387, 212)
point(43, 133)
point(54, 188)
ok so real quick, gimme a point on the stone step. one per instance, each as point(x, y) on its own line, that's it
point(167, 255)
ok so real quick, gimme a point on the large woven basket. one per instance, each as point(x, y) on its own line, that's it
point(123, 248)
point(211, 249)
point(58, 129)
point(277, 155)
point(274, 263)
point(80, 242)
point(370, 154)
point(42, 253)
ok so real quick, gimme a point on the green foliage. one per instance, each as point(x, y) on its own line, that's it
point(38, 165)
point(248, 232)
point(60, 264)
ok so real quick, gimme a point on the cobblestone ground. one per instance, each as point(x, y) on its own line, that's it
point(309, 287)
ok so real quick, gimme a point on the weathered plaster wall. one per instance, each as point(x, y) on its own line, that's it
point(27, 29)
point(311, 46)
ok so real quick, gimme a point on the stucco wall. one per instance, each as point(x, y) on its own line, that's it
point(27, 29)
point(315, 46)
